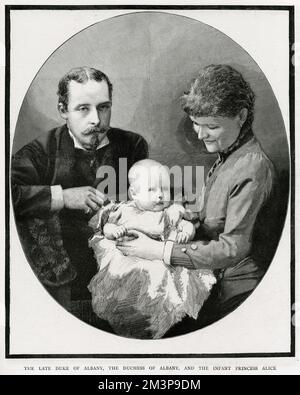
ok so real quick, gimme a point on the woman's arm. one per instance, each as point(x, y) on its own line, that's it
point(247, 196)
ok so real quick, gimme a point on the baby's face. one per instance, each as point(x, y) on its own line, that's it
point(152, 192)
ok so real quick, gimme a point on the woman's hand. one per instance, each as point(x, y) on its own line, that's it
point(142, 246)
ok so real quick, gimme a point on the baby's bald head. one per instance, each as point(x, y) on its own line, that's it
point(149, 185)
point(145, 168)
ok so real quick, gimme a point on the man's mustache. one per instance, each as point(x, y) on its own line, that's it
point(95, 130)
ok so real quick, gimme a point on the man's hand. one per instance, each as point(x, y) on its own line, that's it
point(83, 198)
point(113, 232)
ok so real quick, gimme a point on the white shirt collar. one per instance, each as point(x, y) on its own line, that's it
point(77, 143)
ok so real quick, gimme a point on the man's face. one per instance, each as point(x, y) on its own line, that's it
point(88, 112)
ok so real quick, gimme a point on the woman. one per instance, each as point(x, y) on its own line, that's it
point(235, 207)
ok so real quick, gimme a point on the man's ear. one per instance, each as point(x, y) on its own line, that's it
point(243, 116)
point(62, 110)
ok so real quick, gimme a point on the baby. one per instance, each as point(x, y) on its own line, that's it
point(141, 298)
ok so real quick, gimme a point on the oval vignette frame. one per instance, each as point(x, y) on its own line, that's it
point(147, 78)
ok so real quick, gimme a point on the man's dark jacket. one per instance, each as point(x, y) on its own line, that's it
point(55, 243)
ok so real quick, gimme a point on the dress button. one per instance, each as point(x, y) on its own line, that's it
point(183, 249)
point(194, 246)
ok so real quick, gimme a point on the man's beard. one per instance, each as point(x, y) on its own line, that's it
point(97, 134)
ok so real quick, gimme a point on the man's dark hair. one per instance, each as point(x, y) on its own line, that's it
point(81, 75)
point(219, 90)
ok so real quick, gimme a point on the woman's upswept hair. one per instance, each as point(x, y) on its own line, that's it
point(219, 90)
point(81, 75)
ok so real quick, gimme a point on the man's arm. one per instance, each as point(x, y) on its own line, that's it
point(31, 197)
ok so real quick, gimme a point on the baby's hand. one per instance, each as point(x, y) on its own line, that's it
point(186, 232)
point(119, 232)
point(175, 213)
point(112, 231)
point(182, 237)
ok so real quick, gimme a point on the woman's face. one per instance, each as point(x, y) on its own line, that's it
point(217, 133)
